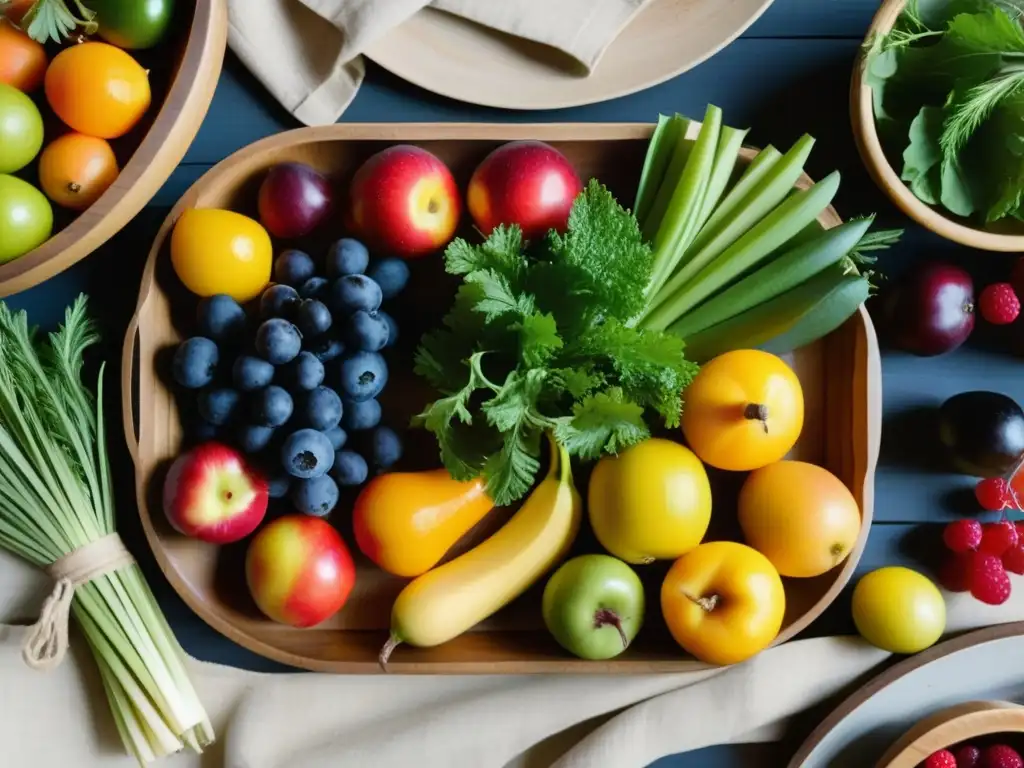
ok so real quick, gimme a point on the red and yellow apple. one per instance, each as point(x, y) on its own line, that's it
point(528, 183)
point(299, 570)
point(212, 494)
point(404, 201)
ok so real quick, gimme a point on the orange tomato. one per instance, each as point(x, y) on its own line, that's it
point(723, 602)
point(743, 410)
point(406, 521)
point(15, 10)
point(800, 516)
point(22, 59)
point(76, 169)
point(97, 89)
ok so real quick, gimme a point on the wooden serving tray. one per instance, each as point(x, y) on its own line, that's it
point(841, 376)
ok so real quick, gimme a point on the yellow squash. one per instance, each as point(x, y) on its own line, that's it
point(445, 602)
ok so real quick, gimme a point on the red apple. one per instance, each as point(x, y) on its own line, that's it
point(293, 200)
point(212, 494)
point(404, 202)
point(528, 183)
point(299, 570)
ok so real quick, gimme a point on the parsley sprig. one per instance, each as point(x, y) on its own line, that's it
point(53, 20)
point(539, 339)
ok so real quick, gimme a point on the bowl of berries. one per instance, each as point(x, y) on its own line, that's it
point(974, 734)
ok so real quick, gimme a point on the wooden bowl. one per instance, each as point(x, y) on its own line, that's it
point(171, 127)
point(841, 377)
point(949, 727)
point(1005, 236)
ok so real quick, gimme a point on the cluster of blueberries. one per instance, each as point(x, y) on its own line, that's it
point(290, 385)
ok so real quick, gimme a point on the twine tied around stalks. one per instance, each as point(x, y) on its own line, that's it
point(46, 643)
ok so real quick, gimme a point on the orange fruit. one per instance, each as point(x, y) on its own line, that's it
point(22, 59)
point(76, 169)
point(743, 410)
point(219, 251)
point(97, 89)
point(723, 602)
point(800, 516)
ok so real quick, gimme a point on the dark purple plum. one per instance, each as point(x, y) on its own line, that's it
point(931, 310)
point(293, 200)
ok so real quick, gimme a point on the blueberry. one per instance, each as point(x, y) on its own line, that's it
point(325, 349)
point(307, 453)
point(278, 301)
point(195, 362)
point(218, 405)
point(349, 468)
point(253, 438)
point(337, 436)
point(278, 341)
point(305, 371)
point(313, 317)
point(201, 431)
point(315, 496)
point(392, 327)
point(321, 409)
point(362, 376)
point(385, 447)
point(293, 267)
point(314, 288)
point(272, 407)
point(366, 331)
point(361, 415)
point(221, 318)
point(278, 484)
point(251, 373)
point(353, 292)
point(391, 274)
point(347, 257)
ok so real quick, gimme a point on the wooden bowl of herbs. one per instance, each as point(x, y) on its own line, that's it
point(937, 106)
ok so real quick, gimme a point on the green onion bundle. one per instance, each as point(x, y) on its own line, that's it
point(55, 498)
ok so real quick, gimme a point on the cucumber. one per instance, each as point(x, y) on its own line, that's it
point(781, 274)
point(659, 154)
point(768, 235)
point(808, 312)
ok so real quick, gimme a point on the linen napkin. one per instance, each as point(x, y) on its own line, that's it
point(314, 721)
point(307, 53)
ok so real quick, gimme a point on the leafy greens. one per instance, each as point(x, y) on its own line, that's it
point(539, 338)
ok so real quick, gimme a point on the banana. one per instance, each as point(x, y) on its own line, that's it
point(447, 601)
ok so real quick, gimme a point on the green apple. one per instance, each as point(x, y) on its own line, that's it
point(26, 218)
point(21, 129)
point(594, 606)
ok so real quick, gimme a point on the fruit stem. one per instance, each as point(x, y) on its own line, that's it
point(707, 603)
point(757, 412)
point(74, 187)
point(604, 617)
point(837, 551)
point(385, 653)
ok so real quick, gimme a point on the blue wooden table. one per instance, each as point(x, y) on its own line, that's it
point(789, 74)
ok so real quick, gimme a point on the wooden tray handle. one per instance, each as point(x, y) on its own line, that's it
point(128, 387)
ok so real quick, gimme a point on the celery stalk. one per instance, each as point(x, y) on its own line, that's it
point(678, 145)
point(663, 142)
point(772, 232)
point(730, 142)
point(776, 185)
point(679, 223)
point(755, 173)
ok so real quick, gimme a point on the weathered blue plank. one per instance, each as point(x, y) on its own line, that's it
point(815, 18)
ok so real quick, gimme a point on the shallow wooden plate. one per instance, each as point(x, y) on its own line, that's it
point(465, 61)
point(841, 377)
point(166, 133)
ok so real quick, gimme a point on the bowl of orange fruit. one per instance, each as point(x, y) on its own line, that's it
point(99, 100)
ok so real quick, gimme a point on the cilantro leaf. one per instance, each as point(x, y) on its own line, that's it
point(501, 252)
point(498, 296)
point(515, 402)
point(578, 382)
point(538, 338)
point(603, 423)
point(510, 473)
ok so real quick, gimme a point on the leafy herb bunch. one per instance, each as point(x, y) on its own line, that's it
point(948, 85)
point(540, 339)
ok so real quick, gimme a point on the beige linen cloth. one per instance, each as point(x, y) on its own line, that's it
point(307, 53)
point(60, 719)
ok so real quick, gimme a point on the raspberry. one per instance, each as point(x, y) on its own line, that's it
point(993, 493)
point(988, 579)
point(941, 759)
point(953, 574)
point(997, 538)
point(999, 304)
point(968, 756)
point(1001, 756)
point(1013, 560)
point(962, 535)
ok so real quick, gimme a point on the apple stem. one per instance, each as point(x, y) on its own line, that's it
point(837, 551)
point(606, 618)
point(757, 412)
point(385, 653)
point(707, 603)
